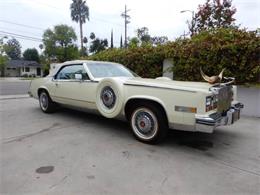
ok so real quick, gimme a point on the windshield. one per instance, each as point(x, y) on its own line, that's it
point(99, 70)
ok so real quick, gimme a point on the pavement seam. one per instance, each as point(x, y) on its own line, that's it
point(238, 168)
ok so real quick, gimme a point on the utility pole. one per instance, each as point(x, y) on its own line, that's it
point(127, 21)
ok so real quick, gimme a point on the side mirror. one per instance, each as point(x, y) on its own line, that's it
point(78, 76)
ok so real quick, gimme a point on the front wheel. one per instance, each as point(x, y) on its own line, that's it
point(149, 124)
point(46, 104)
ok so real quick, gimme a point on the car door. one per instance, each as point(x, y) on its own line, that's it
point(73, 91)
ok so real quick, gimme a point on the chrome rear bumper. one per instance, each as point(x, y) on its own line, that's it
point(210, 122)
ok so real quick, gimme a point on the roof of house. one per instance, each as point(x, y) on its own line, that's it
point(22, 63)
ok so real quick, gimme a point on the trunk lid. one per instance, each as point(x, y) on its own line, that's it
point(170, 84)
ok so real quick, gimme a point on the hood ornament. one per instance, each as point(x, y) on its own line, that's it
point(212, 79)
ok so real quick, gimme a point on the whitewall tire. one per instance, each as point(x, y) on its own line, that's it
point(148, 123)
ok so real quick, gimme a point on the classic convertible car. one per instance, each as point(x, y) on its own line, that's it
point(152, 106)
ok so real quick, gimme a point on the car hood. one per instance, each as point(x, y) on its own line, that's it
point(169, 84)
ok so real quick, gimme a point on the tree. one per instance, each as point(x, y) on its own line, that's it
point(97, 44)
point(3, 57)
point(92, 36)
point(41, 46)
point(60, 43)
point(31, 54)
point(144, 38)
point(159, 40)
point(134, 42)
point(121, 42)
point(111, 40)
point(143, 35)
point(45, 62)
point(213, 14)
point(85, 48)
point(79, 13)
point(13, 49)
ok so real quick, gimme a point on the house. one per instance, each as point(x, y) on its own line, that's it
point(18, 68)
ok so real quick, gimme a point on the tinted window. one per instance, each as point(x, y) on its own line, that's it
point(68, 72)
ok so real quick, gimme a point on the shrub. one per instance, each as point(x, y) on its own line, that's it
point(145, 61)
point(25, 75)
point(236, 50)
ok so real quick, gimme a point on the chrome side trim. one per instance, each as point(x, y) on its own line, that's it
point(74, 99)
point(153, 86)
point(74, 80)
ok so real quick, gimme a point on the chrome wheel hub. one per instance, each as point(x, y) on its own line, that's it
point(144, 123)
point(108, 97)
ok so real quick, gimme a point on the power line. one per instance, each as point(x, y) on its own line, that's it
point(105, 21)
point(3, 35)
point(94, 18)
point(21, 31)
point(53, 7)
point(21, 36)
point(27, 26)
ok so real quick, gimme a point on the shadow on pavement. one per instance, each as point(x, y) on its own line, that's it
point(193, 140)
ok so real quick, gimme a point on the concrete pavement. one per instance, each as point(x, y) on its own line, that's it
point(71, 152)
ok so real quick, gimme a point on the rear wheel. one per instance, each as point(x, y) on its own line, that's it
point(149, 123)
point(46, 104)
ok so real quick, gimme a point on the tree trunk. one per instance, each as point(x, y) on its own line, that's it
point(2, 69)
point(81, 36)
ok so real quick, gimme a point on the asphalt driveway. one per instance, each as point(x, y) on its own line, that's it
point(13, 86)
point(71, 152)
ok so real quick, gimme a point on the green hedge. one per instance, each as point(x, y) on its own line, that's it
point(236, 50)
point(145, 61)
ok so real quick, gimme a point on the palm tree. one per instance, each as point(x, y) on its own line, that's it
point(79, 12)
point(112, 40)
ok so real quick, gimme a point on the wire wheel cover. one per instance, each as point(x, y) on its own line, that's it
point(108, 97)
point(144, 123)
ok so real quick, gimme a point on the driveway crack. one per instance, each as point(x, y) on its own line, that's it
point(22, 137)
point(60, 182)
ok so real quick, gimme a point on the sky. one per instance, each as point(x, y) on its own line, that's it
point(30, 18)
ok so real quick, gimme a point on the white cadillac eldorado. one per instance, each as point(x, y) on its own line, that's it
point(151, 106)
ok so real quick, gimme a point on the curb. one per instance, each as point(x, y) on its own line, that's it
point(7, 97)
